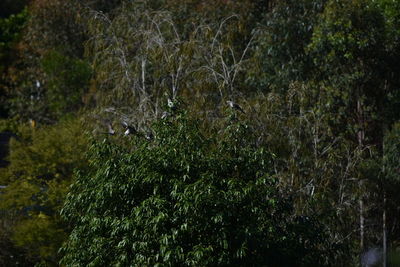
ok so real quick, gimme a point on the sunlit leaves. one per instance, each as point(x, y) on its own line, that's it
point(42, 162)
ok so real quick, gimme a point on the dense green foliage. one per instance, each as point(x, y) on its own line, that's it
point(10, 33)
point(281, 52)
point(317, 145)
point(186, 200)
point(40, 171)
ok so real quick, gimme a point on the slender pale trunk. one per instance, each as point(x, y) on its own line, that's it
point(144, 75)
point(360, 138)
point(384, 230)
point(384, 237)
point(362, 222)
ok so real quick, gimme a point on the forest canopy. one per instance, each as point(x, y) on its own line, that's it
point(199, 132)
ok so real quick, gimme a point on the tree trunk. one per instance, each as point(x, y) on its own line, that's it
point(360, 137)
point(362, 221)
point(384, 238)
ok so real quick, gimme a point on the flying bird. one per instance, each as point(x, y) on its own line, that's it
point(233, 105)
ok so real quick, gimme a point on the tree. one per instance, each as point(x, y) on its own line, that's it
point(353, 48)
point(10, 34)
point(141, 54)
point(42, 161)
point(280, 48)
point(186, 199)
point(52, 38)
point(391, 185)
point(67, 82)
point(9, 7)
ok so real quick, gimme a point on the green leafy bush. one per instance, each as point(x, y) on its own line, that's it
point(184, 199)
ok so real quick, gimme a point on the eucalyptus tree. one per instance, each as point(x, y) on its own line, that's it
point(52, 42)
point(280, 46)
point(353, 52)
point(142, 56)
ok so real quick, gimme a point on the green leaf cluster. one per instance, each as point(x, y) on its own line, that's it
point(186, 199)
point(67, 82)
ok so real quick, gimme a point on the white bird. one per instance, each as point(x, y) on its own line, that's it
point(110, 109)
point(233, 105)
point(111, 131)
point(106, 123)
point(165, 114)
point(170, 103)
point(149, 136)
point(37, 83)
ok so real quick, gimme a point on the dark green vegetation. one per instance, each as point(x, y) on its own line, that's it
point(184, 199)
point(307, 175)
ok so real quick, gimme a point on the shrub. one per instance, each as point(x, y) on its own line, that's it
point(185, 199)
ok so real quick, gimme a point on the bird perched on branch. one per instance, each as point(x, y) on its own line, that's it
point(233, 105)
point(149, 136)
point(105, 122)
point(170, 103)
point(165, 115)
point(111, 130)
point(129, 129)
